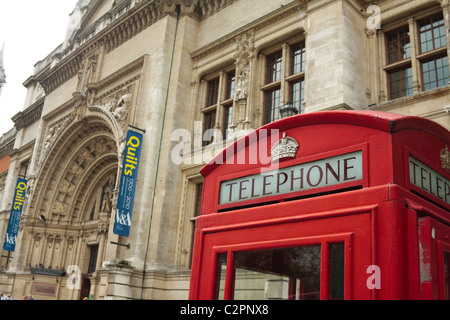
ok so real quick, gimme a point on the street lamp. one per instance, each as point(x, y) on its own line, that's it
point(288, 110)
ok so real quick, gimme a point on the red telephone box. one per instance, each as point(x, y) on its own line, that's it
point(327, 205)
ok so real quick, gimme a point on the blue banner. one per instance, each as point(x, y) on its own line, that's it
point(127, 187)
point(16, 214)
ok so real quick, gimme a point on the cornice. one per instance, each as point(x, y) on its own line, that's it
point(7, 141)
point(117, 26)
point(32, 114)
point(256, 25)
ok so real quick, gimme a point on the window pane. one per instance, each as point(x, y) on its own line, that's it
point(212, 93)
point(93, 259)
point(208, 127)
point(230, 85)
point(228, 120)
point(400, 83)
point(273, 68)
point(398, 44)
point(298, 58)
point(272, 102)
point(297, 94)
point(221, 268)
point(275, 274)
point(336, 270)
point(435, 73)
point(432, 33)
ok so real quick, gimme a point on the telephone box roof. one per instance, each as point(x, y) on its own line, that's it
point(383, 121)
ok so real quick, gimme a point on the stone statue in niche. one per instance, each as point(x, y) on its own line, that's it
point(107, 196)
point(243, 56)
point(242, 83)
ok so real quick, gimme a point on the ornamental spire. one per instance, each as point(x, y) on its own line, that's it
point(2, 70)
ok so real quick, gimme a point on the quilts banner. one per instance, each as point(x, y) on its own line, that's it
point(127, 187)
point(16, 214)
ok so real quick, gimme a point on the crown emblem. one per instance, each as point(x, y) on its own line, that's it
point(286, 147)
point(445, 158)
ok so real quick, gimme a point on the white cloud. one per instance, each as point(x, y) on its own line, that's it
point(30, 30)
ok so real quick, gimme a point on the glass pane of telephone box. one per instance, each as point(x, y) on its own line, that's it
point(447, 275)
point(278, 274)
point(336, 271)
point(221, 268)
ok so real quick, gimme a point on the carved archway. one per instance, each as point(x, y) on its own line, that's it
point(71, 201)
point(84, 154)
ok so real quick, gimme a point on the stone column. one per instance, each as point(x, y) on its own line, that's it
point(415, 65)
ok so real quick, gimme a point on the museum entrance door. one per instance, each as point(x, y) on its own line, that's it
point(85, 288)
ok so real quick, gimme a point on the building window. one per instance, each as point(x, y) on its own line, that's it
point(197, 213)
point(429, 54)
point(227, 120)
point(398, 45)
point(227, 105)
point(273, 67)
point(284, 79)
point(400, 83)
point(297, 94)
point(398, 50)
point(208, 127)
point(432, 33)
point(93, 259)
point(435, 73)
point(213, 92)
point(434, 67)
point(218, 109)
point(272, 104)
point(231, 80)
point(298, 58)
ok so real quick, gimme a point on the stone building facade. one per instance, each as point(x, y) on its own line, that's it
point(2, 71)
point(195, 75)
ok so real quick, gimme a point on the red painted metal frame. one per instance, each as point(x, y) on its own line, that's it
point(324, 241)
point(434, 239)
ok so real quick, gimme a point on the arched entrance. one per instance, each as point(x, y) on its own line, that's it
point(71, 201)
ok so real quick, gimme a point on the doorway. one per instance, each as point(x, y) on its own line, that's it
point(85, 288)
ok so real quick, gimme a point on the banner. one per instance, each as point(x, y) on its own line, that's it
point(127, 187)
point(16, 213)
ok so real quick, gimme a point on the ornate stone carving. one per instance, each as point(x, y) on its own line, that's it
point(52, 135)
point(107, 196)
point(117, 106)
point(87, 73)
point(3, 181)
point(120, 109)
point(244, 54)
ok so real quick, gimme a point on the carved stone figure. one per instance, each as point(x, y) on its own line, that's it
point(242, 85)
point(121, 111)
point(107, 197)
point(48, 140)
